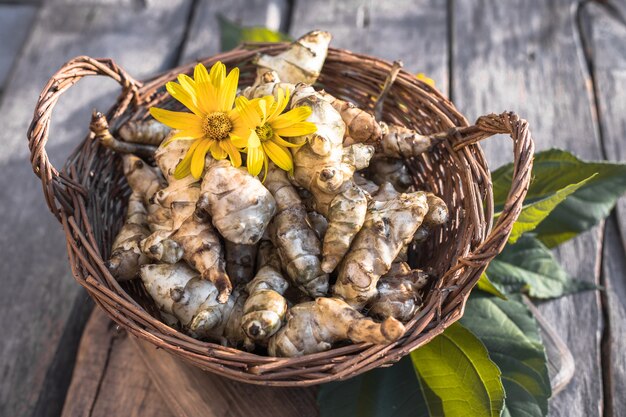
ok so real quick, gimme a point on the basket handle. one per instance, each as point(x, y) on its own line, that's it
point(523, 151)
point(68, 75)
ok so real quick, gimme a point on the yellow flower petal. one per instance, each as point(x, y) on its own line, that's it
point(282, 142)
point(199, 155)
point(179, 93)
point(217, 152)
point(232, 151)
point(296, 129)
point(299, 114)
point(240, 141)
point(279, 155)
point(218, 72)
point(178, 120)
point(247, 112)
point(184, 167)
point(280, 104)
point(253, 140)
point(254, 160)
point(204, 89)
point(188, 84)
point(228, 90)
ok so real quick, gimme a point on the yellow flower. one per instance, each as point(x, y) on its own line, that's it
point(269, 126)
point(214, 124)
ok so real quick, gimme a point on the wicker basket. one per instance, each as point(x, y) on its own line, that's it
point(89, 196)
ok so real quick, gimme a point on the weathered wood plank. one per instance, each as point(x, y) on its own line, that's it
point(15, 22)
point(412, 31)
point(614, 338)
point(204, 34)
point(38, 294)
point(190, 392)
point(607, 45)
point(606, 40)
point(524, 56)
point(109, 376)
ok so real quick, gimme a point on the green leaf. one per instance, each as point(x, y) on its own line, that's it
point(455, 366)
point(534, 213)
point(382, 392)
point(529, 266)
point(484, 284)
point(556, 169)
point(231, 34)
point(511, 335)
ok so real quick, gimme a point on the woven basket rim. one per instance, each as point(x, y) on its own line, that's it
point(67, 192)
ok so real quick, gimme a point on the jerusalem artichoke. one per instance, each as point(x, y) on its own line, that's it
point(314, 326)
point(302, 61)
point(99, 126)
point(398, 293)
point(178, 290)
point(240, 260)
point(239, 205)
point(296, 242)
point(265, 308)
point(391, 170)
point(126, 255)
point(390, 224)
point(148, 132)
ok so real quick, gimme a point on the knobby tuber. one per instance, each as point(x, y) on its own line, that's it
point(265, 308)
point(178, 199)
point(302, 61)
point(239, 205)
point(126, 255)
point(100, 128)
point(178, 290)
point(398, 293)
point(393, 170)
point(390, 224)
point(148, 132)
point(314, 326)
point(297, 243)
point(240, 262)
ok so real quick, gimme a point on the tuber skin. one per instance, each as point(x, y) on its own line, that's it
point(392, 220)
point(366, 185)
point(297, 243)
point(240, 262)
point(361, 127)
point(239, 205)
point(265, 308)
point(99, 126)
point(314, 326)
point(325, 168)
point(203, 251)
point(401, 142)
point(302, 62)
point(147, 132)
point(126, 255)
point(318, 223)
point(179, 291)
point(393, 170)
point(398, 293)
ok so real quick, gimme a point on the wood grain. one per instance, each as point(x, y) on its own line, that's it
point(412, 31)
point(42, 307)
point(606, 37)
point(15, 22)
point(524, 56)
point(191, 392)
point(607, 44)
point(109, 377)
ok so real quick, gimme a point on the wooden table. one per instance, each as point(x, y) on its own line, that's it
point(560, 64)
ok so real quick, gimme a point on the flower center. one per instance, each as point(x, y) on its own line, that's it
point(217, 126)
point(265, 132)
